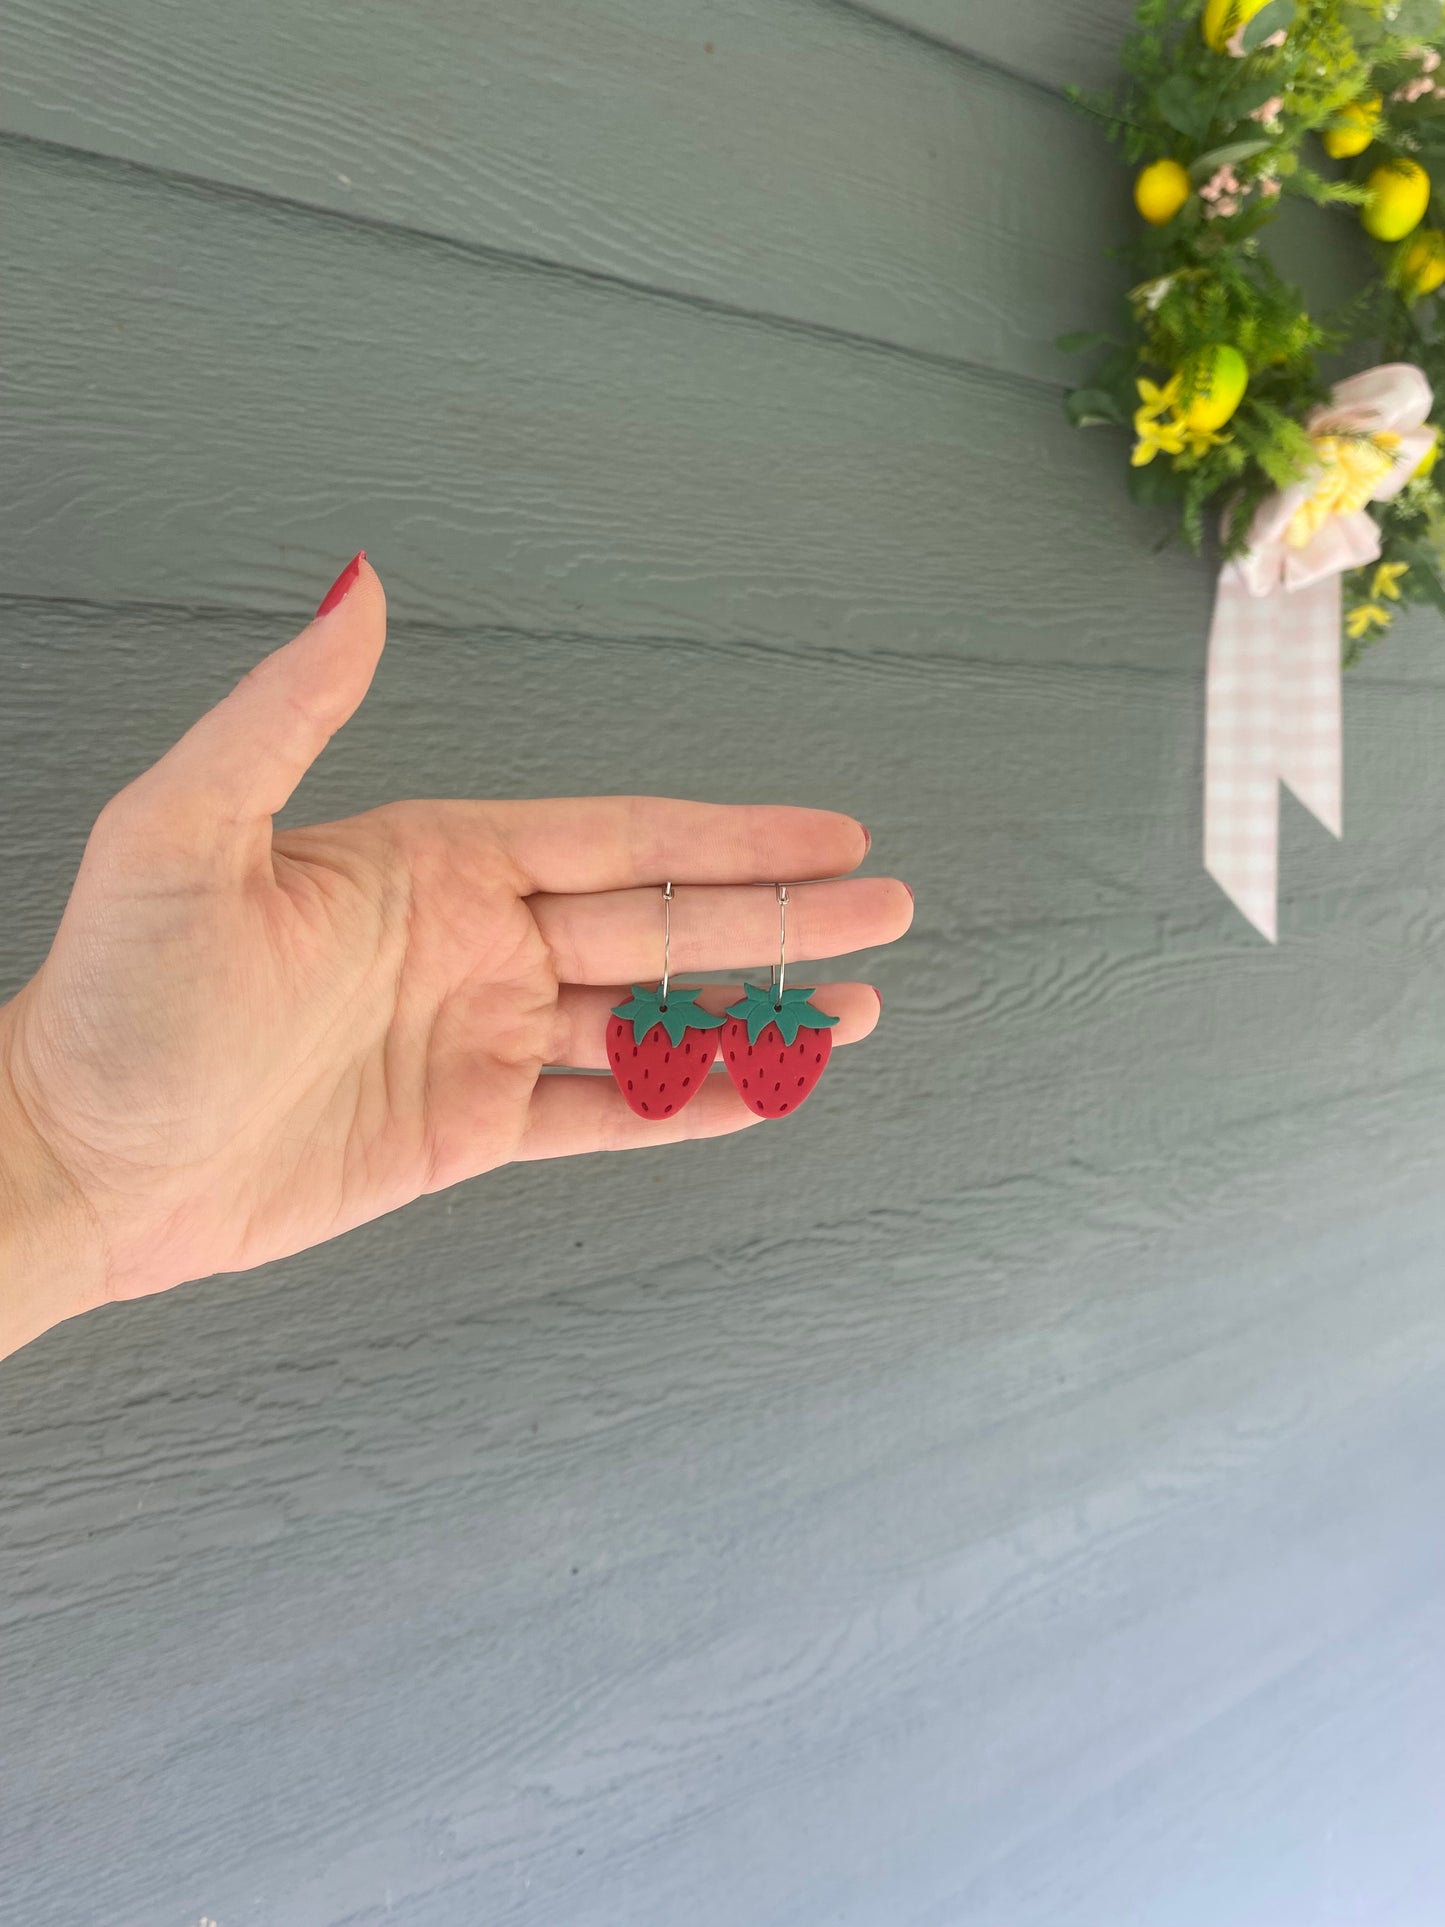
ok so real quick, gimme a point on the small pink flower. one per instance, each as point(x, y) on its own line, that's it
point(1222, 209)
point(1268, 185)
point(1268, 109)
point(1224, 180)
point(1430, 60)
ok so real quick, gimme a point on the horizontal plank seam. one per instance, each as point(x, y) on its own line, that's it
point(970, 57)
point(235, 612)
point(486, 253)
point(18, 602)
point(940, 43)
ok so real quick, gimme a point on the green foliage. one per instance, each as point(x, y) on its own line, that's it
point(1314, 187)
point(1244, 121)
point(1276, 442)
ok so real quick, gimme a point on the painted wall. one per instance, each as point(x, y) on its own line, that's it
point(1010, 1494)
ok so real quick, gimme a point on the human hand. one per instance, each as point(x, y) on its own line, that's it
point(245, 1040)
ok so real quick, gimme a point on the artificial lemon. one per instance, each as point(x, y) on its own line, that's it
point(1225, 17)
point(1428, 460)
point(1160, 191)
point(1214, 379)
point(1399, 193)
point(1422, 265)
point(1354, 128)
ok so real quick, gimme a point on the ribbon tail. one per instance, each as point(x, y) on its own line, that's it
point(1242, 749)
point(1309, 699)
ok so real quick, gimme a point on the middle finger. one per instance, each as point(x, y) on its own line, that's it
point(616, 936)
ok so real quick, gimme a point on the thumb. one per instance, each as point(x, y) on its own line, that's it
point(242, 760)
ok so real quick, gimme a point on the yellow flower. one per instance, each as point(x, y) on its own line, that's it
point(1156, 400)
point(1387, 580)
point(1351, 468)
point(1156, 438)
point(1199, 441)
point(1368, 616)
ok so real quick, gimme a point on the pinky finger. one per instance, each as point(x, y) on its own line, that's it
point(570, 1115)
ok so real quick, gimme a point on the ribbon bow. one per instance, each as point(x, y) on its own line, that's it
point(1273, 698)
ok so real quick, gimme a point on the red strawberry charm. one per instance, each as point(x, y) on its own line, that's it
point(776, 1048)
point(661, 1052)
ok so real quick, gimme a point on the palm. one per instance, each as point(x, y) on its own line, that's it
point(362, 1018)
point(243, 1042)
point(436, 967)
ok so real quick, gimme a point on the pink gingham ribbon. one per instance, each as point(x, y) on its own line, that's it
point(1273, 695)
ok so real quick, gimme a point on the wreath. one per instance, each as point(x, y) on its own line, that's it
point(1227, 107)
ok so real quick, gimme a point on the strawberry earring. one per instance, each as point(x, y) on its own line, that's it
point(777, 1042)
point(659, 1044)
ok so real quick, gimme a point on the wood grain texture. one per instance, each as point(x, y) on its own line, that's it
point(216, 400)
point(982, 1527)
point(779, 155)
point(1020, 1516)
point(956, 776)
point(881, 190)
point(992, 759)
point(1052, 43)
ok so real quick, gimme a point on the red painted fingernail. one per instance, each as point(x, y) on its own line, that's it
point(341, 587)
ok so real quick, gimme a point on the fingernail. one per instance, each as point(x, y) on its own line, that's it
point(909, 888)
point(879, 995)
point(867, 838)
point(341, 587)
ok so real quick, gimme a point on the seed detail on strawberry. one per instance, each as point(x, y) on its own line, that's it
point(660, 1052)
point(776, 1048)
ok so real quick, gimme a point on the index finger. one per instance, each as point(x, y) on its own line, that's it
point(620, 842)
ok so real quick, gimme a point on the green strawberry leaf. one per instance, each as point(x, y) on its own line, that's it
point(645, 1011)
point(809, 1017)
point(790, 1013)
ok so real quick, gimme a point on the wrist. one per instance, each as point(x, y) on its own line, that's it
point(50, 1259)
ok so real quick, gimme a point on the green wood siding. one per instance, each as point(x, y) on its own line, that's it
point(1038, 1529)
